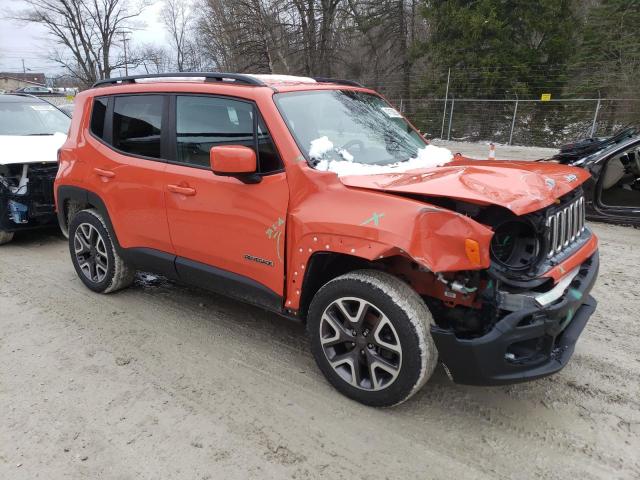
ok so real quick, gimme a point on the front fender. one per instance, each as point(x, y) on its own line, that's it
point(373, 226)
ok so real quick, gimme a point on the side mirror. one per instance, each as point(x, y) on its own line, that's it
point(234, 161)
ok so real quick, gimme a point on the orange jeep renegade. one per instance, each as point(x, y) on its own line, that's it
point(316, 199)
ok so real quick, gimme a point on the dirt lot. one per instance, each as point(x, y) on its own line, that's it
point(160, 381)
point(480, 150)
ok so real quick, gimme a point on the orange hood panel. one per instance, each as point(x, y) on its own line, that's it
point(521, 187)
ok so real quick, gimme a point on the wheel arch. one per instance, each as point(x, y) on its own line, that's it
point(73, 199)
point(323, 267)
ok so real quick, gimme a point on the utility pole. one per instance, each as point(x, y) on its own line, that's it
point(24, 70)
point(124, 46)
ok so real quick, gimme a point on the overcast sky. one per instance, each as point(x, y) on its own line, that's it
point(31, 43)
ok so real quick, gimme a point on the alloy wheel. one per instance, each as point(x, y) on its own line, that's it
point(360, 343)
point(91, 252)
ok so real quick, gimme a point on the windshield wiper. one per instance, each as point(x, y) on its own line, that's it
point(38, 134)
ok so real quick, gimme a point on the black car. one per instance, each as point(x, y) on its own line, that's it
point(613, 194)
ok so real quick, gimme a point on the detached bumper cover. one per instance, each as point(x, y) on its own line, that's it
point(524, 345)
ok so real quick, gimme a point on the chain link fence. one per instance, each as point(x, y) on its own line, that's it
point(529, 122)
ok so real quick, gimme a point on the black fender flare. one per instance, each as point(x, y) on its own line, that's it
point(84, 197)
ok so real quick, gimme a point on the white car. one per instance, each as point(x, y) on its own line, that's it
point(31, 132)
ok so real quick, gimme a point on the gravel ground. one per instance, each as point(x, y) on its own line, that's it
point(161, 381)
point(480, 150)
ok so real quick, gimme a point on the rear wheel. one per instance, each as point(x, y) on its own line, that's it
point(94, 256)
point(5, 237)
point(370, 335)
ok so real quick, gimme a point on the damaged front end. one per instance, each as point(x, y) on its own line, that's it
point(26, 196)
point(520, 318)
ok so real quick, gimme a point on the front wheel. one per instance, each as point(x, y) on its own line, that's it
point(370, 336)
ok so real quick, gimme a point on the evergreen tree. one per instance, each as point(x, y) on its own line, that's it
point(607, 60)
point(500, 47)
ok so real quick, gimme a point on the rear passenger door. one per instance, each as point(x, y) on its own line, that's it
point(225, 223)
point(127, 170)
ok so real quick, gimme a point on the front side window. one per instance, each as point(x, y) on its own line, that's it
point(137, 123)
point(202, 123)
point(357, 132)
point(205, 122)
point(32, 118)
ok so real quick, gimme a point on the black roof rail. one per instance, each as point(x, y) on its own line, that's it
point(208, 76)
point(338, 81)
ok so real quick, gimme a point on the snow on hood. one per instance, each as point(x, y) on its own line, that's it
point(16, 149)
point(428, 157)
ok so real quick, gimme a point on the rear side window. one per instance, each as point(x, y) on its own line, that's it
point(98, 114)
point(137, 123)
point(202, 123)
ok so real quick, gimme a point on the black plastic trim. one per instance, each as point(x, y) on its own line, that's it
point(150, 260)
point(227, 283)
point(338, 81)
point(481, 361)
point(208, 76)
point(84, 197)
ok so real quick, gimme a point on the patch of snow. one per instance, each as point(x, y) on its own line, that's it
point(428, 157)
point(271, 78)
point(346, 155)
point(320, 146)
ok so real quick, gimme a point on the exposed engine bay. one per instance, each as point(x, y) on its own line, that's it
point(523, 248)
point(26, 195)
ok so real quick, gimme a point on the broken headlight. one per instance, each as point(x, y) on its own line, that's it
point(515, 245)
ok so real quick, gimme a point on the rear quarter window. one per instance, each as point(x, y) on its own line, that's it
point(98, 115)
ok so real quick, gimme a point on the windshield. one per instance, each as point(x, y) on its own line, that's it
point(344, 128)
point(30, 118)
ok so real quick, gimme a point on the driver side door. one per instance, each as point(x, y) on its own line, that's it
point(225, 231)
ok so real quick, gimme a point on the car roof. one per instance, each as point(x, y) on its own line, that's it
point(13, 98)
point(278, 83)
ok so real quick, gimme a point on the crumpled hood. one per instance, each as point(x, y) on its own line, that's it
point(30, 148)
point(522, 187)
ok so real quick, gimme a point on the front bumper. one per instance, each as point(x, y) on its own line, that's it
point(524, 345)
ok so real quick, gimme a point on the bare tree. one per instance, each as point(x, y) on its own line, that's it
point(154, 59)
point(245, 35)
point(363, 39)
point(179, 19)
point(86, 30)
point(316, 20)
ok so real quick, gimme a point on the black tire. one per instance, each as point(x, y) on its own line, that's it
point(407, 349)
point(5, 237)
point(109, 272)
